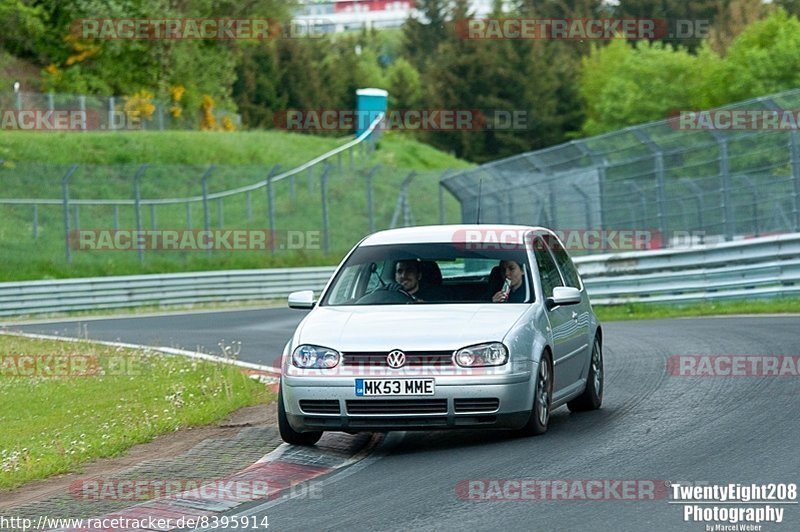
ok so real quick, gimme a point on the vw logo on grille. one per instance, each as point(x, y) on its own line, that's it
point(396, 359)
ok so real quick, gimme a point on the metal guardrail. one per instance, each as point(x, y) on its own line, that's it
point(753, 268)
point(96, 293)
point(756, 268)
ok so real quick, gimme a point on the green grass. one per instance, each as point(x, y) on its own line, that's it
point(652, 311)
point(55, 420)
point(163, 147)
point(177, 160)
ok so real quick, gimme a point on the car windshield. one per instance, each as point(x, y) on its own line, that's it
point(425, 274)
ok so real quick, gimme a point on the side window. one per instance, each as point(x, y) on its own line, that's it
point(548, 271)
point(564, 262)
point(345, 287)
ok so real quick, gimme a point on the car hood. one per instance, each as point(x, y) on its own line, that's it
point(407, 327)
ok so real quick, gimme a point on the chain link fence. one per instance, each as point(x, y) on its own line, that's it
point(679, 182)
point(320, 207)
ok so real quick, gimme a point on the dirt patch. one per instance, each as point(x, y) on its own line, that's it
point(164, 446)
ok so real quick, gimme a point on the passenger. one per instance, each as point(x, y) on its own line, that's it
point(408, 275)
point(514, 272)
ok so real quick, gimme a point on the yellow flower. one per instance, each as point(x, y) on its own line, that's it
point(139, 106)
point(82, 51)
point(177, 92)
point(208, 122)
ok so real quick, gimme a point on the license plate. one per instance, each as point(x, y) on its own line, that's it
point(389, 387)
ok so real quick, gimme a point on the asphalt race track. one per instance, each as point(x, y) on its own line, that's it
point(654, 427)
point(262, 333)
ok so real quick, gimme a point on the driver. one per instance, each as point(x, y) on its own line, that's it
point(408, 275)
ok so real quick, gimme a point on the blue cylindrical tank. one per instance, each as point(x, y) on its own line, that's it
point(369, 104)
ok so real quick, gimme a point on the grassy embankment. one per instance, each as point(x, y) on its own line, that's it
point(35, 162)
point(63, 403)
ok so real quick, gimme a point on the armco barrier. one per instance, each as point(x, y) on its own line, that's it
point(96, 293)
point(754, 268)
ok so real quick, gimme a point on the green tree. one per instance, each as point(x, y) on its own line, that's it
point(623, 85)
point(732, 21)
point(76, 63)
point(405, 86)
point(790, 6)
point(22, 25)
point(764, 59)
point(672, 11)
point(421, 38)
point(302, 78)
point(256, 90)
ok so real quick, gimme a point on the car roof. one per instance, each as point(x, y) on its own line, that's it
point(429, 234)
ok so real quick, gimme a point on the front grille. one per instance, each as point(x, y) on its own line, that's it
point(413, 358)
point(477, 405)
point(319, 406)
point(397, 406)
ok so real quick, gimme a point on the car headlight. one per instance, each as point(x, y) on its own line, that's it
point(314, 356)
point(491, 354)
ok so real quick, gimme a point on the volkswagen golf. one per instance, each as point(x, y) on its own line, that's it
point(443, 327)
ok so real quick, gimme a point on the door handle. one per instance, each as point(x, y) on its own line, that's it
point(574, 315)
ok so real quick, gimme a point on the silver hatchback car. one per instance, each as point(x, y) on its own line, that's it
point(441, 327)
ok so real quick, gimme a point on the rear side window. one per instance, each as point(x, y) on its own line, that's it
point(565, 263)
point(548, 271)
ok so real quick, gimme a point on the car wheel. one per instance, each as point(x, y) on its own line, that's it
point(592, 396)
point(542, 398)
point(288, 434)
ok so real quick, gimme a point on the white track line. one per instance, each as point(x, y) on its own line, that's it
point(166, 350)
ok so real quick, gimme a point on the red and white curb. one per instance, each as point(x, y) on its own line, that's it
point(278, 472)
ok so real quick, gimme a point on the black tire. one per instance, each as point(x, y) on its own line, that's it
point(542, 399)
point(592, 396)
point(288, 434)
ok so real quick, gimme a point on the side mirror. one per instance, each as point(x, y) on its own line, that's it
point(563, 295)
point(303, 300)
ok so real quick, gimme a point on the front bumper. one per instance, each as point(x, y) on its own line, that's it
point(458, 403)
